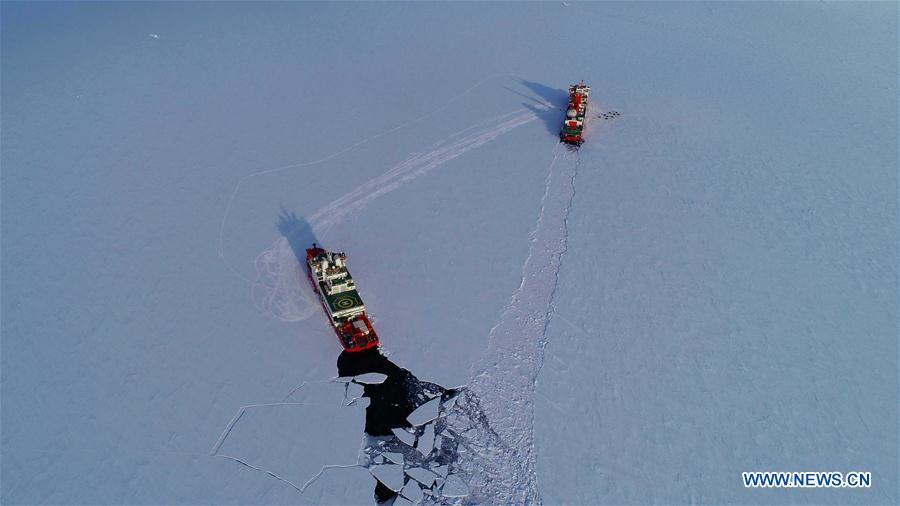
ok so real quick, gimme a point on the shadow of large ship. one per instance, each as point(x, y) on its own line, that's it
point(298, 233)
point(550, 107)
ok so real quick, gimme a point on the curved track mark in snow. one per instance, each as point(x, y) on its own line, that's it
point(237, 188)
point(414, 166)
point(280, 290)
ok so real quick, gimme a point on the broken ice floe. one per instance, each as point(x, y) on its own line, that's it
point(395, 457)
point(426, 440)
point(391, 475)
point(405, 436)
point(449, 403)
point(438, 442)
point(423, 476)
point(352, 393)
point(425, 413)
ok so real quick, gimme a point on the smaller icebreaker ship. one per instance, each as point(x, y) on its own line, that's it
point(345, 310)
point(576, 113)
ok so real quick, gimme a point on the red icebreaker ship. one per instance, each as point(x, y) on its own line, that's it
point(331, 280)
point(576, 113)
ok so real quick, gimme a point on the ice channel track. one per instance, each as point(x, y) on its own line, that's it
point(499, 461)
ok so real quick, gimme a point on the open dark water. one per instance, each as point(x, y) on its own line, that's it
point(393, 400)
point(390, 402)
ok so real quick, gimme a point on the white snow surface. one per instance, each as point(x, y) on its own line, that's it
point(708, 286)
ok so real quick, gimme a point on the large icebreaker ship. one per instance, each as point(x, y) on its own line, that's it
point(332, 281)
point(576, 113)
